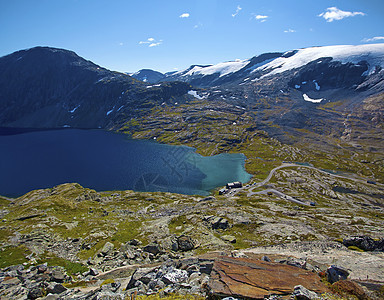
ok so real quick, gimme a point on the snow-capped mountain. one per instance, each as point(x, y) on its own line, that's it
point(312, 73)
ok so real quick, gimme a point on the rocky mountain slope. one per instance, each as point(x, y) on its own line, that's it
point(49, 88)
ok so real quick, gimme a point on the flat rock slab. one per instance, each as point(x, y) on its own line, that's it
point(254, 279)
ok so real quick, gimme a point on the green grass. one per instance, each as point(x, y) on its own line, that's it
point(12, 255)
point(127, 230)
point(70, 267)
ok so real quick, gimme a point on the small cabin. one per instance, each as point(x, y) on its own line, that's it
point(234, 185)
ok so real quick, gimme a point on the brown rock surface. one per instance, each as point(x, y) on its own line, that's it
point(254, 279)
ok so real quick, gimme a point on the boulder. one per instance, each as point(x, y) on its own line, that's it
point(301, 293)
point(107, 248)
point(185, 243)
point(365, 243)
point(254, 279)
point(175, 276)
point(93, 272)
point(152, 248)
point(35, 292)
point(57, 275)
point(56, 289)
point(336, 273)
point(219, 223)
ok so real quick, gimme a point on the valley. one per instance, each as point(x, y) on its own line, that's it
point(317, 175)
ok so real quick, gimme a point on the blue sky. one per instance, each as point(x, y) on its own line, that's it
point(166, 35)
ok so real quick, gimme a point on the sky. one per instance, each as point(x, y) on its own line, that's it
point(169, 35)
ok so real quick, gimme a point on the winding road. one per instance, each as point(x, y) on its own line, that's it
point(280, 194)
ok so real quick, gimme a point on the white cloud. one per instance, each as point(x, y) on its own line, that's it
point(155, 44)
point(261, 18)
point(151, 42)
point(374, 39)
point(333, 13)
point(184, 15)
point(289, 31)
point(237, 11)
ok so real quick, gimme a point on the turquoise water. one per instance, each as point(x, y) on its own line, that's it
point(104, 161)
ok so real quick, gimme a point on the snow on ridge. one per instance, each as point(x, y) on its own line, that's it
point(224, 68)
point(372, 53)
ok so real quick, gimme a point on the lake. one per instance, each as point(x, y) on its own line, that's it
point(107, 161)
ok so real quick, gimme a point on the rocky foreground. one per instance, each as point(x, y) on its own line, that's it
point(246, 274)
point(70, 242)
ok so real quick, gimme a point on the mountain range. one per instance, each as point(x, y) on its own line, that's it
point(310, 125)
point(321, 90)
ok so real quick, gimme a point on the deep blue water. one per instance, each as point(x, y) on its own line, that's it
point(107, 161)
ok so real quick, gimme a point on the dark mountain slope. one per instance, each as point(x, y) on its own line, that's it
point(47, 87)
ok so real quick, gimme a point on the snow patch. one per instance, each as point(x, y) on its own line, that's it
point(195, 94)
point(306, 98)
point(73, 110)
point(151, 86)
point(317, 85)
point(110, 111)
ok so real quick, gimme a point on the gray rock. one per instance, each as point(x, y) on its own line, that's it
point(93, 272)
point(365, 243)
point(219, 223)
point(185, 243)
point(206, 267)
point(301, 293)
point(336, 273)
point(266, 258)
point(152, 248)
point(56, 289)
point(42, 268)
point(156, 284)
point(57, 276)
point(175, 276)
point(107, 248)
point(35, 292)
point(134, 242)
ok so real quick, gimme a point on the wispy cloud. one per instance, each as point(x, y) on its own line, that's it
point(184, 15)
point(289, 30)
point(121, 44)
point(198, 25)
point(260, 18)
point(155, 44)
point(237, 11)
point(335, 14)
point(374, 39)
point(151, 42)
